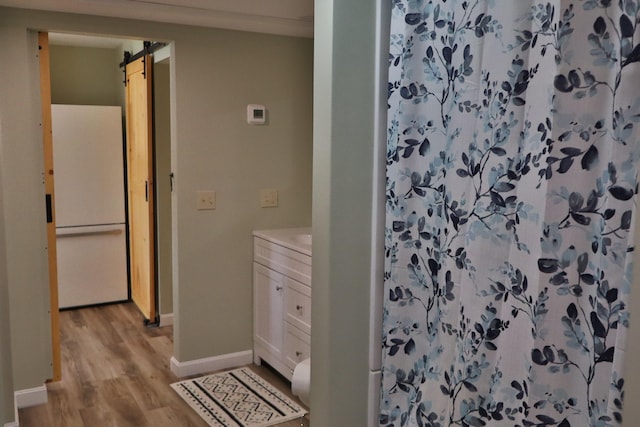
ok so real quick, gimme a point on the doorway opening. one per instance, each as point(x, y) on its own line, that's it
point(85, 71)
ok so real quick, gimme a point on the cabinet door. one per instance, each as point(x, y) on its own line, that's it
point(268, 323)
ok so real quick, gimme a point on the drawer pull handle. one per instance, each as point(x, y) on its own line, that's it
point(299, 308)
point(278, 288)
point(298, 354)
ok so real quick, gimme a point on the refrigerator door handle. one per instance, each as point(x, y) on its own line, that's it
point(90, 230)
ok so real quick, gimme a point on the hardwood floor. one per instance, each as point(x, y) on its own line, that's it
point(115, 372)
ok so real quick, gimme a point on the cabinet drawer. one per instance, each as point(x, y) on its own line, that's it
point(297, 346)
point(284, 260)
point(298, 305)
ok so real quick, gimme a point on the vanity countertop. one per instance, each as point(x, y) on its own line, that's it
point(297, 239)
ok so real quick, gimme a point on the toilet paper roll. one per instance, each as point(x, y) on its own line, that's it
point(301, 381)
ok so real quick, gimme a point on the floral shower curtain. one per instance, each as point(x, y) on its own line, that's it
point(511, 182)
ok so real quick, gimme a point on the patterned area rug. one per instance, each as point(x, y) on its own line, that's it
point(238, 398)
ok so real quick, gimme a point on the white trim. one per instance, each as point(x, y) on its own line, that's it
point(15, 423)
point(383, 14)
point(31, 397)
point(166, 319)
point(175, 14)
point(210, 364)
point(164, 53)
point(375, 379)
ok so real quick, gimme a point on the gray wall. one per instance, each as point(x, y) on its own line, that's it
point(24, 209)
point(213, 149)
point(343, 179)
point(217, 73)
point(86, 76)
point(162, 104)
point(6, 380)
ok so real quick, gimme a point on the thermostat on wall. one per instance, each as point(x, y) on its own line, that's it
point(256, 114)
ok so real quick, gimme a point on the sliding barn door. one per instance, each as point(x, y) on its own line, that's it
point(139, 124)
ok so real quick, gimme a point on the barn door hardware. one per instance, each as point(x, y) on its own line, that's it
point(147, 49)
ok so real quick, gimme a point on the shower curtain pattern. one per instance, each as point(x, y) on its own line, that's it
point(511, 180)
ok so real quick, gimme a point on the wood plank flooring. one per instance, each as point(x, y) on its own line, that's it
point(115, 372)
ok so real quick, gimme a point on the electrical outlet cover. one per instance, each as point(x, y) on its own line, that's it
point(205, 200)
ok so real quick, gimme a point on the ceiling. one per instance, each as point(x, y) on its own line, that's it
point(286, 17)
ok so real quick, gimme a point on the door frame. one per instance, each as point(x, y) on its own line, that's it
point(47, 141)
point(48, 177)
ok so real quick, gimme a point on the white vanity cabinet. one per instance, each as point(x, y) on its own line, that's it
point(281, 300)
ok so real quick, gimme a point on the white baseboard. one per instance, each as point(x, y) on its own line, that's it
point(31, 397)
point(16, 416)
point(166, 319)
point(26, 398)
point(15, 423)
point(210, 364)
point(375, 379)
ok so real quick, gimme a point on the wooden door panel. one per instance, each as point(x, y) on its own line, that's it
point(141, 186)
point(47, 140)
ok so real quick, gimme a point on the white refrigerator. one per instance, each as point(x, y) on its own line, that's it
point(89, 204)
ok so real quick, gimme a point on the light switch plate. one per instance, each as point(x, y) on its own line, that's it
point(268, 198)
point(205, 200)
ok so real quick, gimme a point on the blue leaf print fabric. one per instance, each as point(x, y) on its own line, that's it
point(511, 183)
